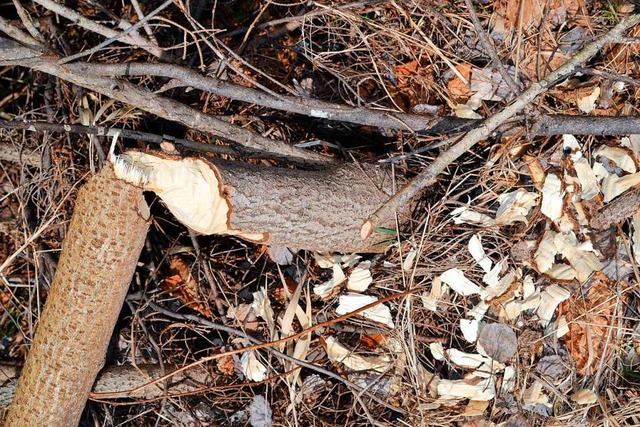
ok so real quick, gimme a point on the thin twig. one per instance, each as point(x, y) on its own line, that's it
point(38, 126)
point(107, 42)
point(490, 49)
point(26, 21)
point(131, 39)
point(141, 16)
point(429, 175)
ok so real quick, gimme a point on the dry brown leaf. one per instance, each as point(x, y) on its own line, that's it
point(458, 89)
point(243, 315)
point(516, 22)
point(412, 84)
point(182, 286)
point(589, 318)
point(499, 341)
point(226, 365)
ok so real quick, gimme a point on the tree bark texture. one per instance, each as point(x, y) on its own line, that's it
point(99, 256)
point(125, 381)
point(317, 210)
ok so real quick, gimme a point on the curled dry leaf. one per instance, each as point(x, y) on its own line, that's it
point(589, 318)
point(338, 353)
point(243, 315)
point(457, 281)
point(487, 84)
point(252, 368)
point(379, 313)
point(225, 365)
point(183, 286)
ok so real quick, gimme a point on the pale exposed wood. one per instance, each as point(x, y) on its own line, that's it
point(98, 259)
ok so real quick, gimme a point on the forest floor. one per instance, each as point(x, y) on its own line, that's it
point(507, 297)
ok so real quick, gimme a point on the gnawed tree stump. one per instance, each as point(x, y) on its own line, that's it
point(319, 210)
point(100, 253)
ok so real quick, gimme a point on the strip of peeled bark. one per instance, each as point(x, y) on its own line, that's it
point(100, 252)
point(314, 210)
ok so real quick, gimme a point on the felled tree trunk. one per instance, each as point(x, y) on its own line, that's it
point(99, 256)
point(314, 210)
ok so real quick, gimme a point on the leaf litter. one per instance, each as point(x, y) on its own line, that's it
point(450, 347)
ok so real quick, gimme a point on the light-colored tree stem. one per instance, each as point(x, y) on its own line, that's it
point(99, 256)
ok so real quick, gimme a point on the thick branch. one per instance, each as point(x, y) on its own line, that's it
point(100, 253)
point(316, 210)
point(307, 106)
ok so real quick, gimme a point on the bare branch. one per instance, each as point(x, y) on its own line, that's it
point(307, 106)
point(169, 109)
point(131, 39)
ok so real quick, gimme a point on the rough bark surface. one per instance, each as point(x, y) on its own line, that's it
point(317, 210)
point(98, 260)
point(125, 381)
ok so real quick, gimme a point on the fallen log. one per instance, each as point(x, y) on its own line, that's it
point(317, 210)
point(99, 256)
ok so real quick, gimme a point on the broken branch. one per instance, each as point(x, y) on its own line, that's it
point(100, 254)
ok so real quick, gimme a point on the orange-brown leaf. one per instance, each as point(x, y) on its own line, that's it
point(182, 286)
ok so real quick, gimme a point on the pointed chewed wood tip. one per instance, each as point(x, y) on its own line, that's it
point(190, 187)
point(366, 230)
